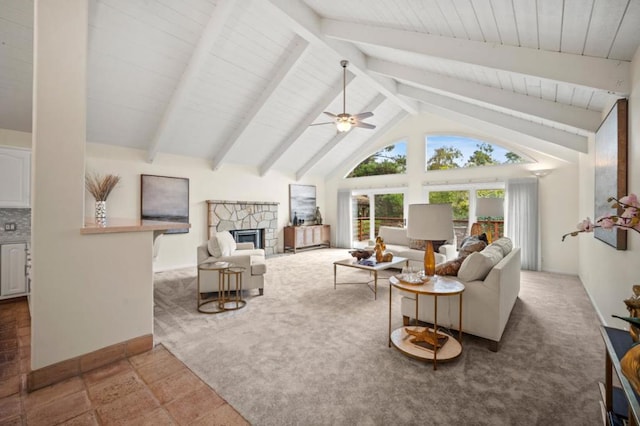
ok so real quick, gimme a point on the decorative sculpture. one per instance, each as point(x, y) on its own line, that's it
point(381, 256)
point(430, 338)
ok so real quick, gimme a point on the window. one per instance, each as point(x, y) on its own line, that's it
point(463, 200)
point(390, 160)
point(376, 208)
point(452, 152)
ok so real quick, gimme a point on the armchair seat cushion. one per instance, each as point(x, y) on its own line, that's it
point(258, 265)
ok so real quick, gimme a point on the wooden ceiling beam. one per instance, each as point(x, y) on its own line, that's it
point(545, 140)
point(581, 120)
point(211, 33)
point(610, 75)
point(289, 60)
point(306, 23)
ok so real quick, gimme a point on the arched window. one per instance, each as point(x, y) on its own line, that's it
point(390, 160)
point(453, 152)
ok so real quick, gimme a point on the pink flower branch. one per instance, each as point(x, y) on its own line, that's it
point(629, 219)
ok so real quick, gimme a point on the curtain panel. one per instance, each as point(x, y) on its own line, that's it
point(522, 220)
point(345, 218)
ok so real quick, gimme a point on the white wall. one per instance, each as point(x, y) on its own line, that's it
point(235, 183)
point(606, 273)
point(88, 291)
point(556, 189)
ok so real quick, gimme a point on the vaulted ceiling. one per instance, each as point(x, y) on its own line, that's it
point(239, 82)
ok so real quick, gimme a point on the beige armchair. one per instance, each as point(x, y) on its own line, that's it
point(223, 248)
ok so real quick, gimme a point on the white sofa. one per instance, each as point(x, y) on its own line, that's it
point(223, 248)
point(398, 244)
point(486, 302)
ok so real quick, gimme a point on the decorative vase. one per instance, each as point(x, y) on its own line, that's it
point(101, 211)
point(318, 216)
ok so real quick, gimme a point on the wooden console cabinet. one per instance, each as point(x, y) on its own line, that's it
point(306, 237)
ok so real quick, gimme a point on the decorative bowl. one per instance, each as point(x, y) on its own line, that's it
point(361, 254)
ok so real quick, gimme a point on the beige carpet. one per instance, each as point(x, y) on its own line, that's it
point(306, 354)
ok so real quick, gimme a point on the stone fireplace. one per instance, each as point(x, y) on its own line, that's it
point(259, 219)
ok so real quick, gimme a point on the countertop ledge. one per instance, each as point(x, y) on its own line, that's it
point(114, 225)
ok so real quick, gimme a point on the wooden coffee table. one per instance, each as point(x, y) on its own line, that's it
point(437, 287)
point(397, 262)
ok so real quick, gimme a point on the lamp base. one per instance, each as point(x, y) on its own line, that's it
point(429, 260)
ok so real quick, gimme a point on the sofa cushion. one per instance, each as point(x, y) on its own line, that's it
point(505, 244)
point(214, 247)
point(450, 268)
point(471, 245)
point(226, 242)
point(477, 265)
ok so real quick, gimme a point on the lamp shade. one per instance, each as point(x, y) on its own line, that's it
point(430, 222)
point(489, 207)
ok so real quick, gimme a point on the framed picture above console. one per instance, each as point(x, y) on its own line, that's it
point(165, 198)
point(302, 202)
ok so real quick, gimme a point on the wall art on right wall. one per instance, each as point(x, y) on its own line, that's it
point(611, 171)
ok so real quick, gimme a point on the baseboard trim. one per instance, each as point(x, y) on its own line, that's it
point(66, 369)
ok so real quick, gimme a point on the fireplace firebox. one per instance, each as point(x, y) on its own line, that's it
point(255, 236)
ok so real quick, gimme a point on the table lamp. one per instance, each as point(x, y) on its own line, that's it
point(489, 207)
point(430, 222)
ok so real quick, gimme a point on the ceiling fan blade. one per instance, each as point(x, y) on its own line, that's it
point(364, 125)
point(363, 115)
point(320, 124)
point(330, 114)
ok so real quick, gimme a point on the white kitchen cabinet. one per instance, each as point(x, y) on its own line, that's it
point(15, 178)
point(13, 278)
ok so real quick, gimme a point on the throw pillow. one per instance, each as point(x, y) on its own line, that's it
point(471, 246)
point(450, 268)
point(226, 242)
point(417, 244)
point(477, 265)
point(214, 247)
point(505, 244)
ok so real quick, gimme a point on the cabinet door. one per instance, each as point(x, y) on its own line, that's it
point(317, 235)
point(308, 235)
point(12, 269)
point(299, 237)
point(15, 178)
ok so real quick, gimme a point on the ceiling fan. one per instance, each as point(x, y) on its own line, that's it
point(344, 122)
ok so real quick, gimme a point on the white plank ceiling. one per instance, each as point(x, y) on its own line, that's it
point(239, 82)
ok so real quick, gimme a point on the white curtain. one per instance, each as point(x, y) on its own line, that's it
point(522, 219)
point(345, 217)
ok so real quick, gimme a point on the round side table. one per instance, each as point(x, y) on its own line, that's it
point(401, 338)
point(229, 279)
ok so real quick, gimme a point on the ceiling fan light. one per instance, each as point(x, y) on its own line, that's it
point(343, 126)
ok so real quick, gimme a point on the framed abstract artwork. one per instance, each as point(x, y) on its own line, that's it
point(302, 202)
point(611, 170)
point(165, 198)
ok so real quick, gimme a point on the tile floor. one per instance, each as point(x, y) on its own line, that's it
point(153, 388)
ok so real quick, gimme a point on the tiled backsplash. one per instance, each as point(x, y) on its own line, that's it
point(22, 219)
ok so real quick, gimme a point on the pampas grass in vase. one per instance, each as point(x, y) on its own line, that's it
point(100, 187)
